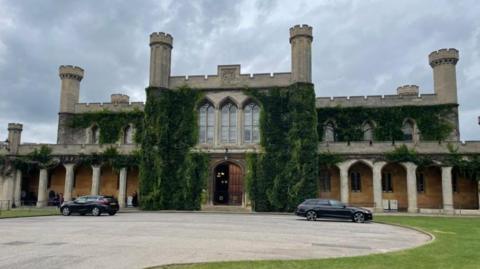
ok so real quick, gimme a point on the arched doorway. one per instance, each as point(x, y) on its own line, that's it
point(228, 184)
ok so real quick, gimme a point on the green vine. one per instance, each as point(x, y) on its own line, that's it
point(171, 177)
point(404, 154)
point(432, 121)
point(111, 124)
point(286, 173)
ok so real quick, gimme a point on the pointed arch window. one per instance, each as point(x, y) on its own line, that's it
point(407, 130)
point(206, 122)
point(367, 129)
point(94, 135)
point(128, 132)
point(329, 133)
point(229, 124)
point(251, 124)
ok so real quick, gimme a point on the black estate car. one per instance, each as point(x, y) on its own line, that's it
point(93, 204)
point(325, 208)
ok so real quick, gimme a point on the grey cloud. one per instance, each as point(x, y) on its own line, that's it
point(360, 48)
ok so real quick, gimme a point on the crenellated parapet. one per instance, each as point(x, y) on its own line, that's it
point(407, 90)
point(443, 56)
point(113, 107)
point(230, 77)
point(70, 72)
point(161, 38)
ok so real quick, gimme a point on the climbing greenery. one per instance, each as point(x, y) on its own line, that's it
point(111, 124)
point(468, 166)
point(432, 121)
point(171, 176)
point(286, 172)
point(111, 157)
point(404, 154)
point(40, 158)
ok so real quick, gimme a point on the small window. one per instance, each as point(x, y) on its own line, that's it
point(455, 182)
point(420, 183)
point(356, 182)
point(329, 133)
point(387, 182)
point(407, 130)
point(325, 181)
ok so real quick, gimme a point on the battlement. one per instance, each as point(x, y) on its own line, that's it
point(15, 126)
point(118, 98)
point(408, 90)
point(378, 100)
point(70, 71)
point(301, 30)
point(443, 56)
point(230, 77)
point(114, 107)
point(161, 38)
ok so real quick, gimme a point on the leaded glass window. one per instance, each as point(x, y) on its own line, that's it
point(206, 123)
point(251, 124)
point(229, 124)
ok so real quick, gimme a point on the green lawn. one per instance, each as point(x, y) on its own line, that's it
point(28, 212)
point(457, 245)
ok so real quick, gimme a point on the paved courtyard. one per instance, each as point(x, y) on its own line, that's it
point(137, 240)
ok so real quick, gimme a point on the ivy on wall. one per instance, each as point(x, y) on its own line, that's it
point(432, 121)
point(111, 124)
point(171, 177)
point(286, 173)
point(404, 154)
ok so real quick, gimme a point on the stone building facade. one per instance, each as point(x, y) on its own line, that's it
point(229, 128)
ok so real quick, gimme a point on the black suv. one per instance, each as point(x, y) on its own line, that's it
point(94, 204)
point(325, 208)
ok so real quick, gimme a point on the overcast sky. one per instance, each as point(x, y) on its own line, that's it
point(360, 48)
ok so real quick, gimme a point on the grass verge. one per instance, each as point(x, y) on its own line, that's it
point(457, 245)
point(28, 212)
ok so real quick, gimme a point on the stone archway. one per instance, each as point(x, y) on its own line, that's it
point(228, 184)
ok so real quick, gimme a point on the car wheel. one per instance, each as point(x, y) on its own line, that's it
point(359, 217)
point(66, 211)
point(112, 213)
point(311, 216)
point(96, 211)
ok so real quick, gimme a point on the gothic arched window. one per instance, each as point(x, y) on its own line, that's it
point(229, 123)
point(367, 129)
point(407, 130)
point(94, 135)
point(251, 124)
point(206, 122)
point(329, 134)
point(128, 135)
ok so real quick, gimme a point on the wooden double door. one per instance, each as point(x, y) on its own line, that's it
point(228, 184)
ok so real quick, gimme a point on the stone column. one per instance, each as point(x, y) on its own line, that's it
point(95, 179)
point(42, 199)
point(411, 186)
point(122, 187)
point(447, 192)
point(377, 186)
point(17, 195)
point(69, 178)
point(8, 187)
point(344, 190)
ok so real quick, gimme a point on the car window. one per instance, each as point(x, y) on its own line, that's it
point(81, 200)
point(323, 202)
point(336, 203)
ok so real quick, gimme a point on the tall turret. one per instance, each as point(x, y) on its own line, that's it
point(301, 42)
point(70, 89)
point(444, 74)
point(70, 95)
point(160, 59)
point(14, 136)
